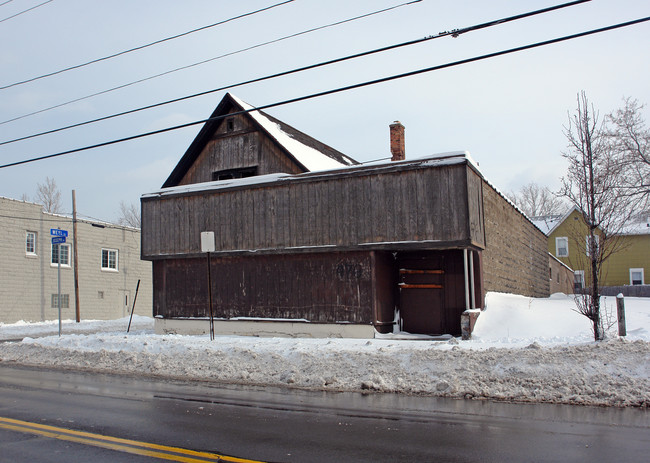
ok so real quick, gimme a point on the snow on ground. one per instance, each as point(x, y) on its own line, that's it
point(523, 349)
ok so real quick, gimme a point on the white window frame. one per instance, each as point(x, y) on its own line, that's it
point(558, 247)
point(109, 268)
point(639, 270)
point(587, 247)
point(34, 250)
point(56, 264)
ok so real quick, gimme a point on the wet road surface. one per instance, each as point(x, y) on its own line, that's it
point(74, 411)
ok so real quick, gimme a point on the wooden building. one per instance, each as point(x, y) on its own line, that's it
point(310, 243)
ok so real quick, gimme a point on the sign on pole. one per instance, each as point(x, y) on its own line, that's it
point(208, 246)
point(58, 238)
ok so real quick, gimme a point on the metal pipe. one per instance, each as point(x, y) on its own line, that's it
point(466, 271)
point(471, 278)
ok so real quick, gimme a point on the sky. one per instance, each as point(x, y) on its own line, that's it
point(509, 112)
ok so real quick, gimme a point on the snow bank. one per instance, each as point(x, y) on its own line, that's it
point(525, 350)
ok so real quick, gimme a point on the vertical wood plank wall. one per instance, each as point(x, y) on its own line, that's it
point(354, 209)
point(327, 288)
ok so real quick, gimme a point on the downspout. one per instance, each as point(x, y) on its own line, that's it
point(466, 272)
point(471, 278)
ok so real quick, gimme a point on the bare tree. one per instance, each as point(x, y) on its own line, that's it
point(593, 186)
point(630, 139)
point(535, 200)
point(129, 215)
point(49, 195)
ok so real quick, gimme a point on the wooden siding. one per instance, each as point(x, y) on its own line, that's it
point(631, 251)
point(321, 287)
point(415, 206)
point(239, 146)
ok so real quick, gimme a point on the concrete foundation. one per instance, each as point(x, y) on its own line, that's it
point(264, 328)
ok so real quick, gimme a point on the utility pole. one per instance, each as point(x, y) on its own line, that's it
point(76, 261)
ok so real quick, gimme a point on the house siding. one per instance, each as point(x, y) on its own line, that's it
point(632, 251)
point(515, 258)
point(27, 282)
point(410, 207)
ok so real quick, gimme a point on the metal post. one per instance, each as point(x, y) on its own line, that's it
point(466, 271)
point(471, 278)
point(210, 297)
point(208, 245)
point(58, 298)
point(137, 287)
point(620, 309)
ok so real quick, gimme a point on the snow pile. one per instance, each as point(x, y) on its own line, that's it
point(21, 329)
point(529, 350)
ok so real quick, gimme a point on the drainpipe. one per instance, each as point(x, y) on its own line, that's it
point(466, 271)
point(471, 278)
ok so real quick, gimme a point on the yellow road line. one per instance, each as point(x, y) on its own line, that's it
point(117, 443)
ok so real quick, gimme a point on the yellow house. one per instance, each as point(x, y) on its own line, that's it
point(628, 264)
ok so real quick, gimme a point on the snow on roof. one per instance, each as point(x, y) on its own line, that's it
point(430, 161)
point(636, 228)
point(309, 157)
point(547, 223)
point(218, 185)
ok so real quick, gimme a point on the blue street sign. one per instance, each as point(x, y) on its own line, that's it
point(57, 232)
point(58, 239)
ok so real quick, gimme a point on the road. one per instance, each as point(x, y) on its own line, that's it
point(52, 416)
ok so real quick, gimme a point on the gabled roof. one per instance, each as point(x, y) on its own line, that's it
point(308, 153)
point(636, 226)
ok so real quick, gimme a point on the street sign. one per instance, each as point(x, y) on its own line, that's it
point(58, 239)
point(57, 232)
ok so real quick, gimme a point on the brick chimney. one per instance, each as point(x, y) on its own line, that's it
point(397, 141)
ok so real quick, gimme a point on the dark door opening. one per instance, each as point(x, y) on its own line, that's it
point(422, 300)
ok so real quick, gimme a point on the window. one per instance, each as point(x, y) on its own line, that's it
point(65, 301)
point(241, 172)
point(562, 246)
point(636, 276)
point(30, 243)
point(109, 259)
point(230, 124)
point(578, 281)
point(588, 241)
point(65, 254)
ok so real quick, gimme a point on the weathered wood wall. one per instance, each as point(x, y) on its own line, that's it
point(395, 207)
point(327, 288)
point(236, 146)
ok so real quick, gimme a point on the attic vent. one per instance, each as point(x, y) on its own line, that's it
point(241, 172)
point(230, 125)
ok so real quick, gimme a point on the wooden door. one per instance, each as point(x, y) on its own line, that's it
point(421, 290)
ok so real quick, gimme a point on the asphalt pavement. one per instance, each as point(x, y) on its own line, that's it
point(52, 415)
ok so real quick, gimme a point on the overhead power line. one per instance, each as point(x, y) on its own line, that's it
point(453, 33)
point(338, 90)
point(24, 11)
point(259, 45)
point(140, 47)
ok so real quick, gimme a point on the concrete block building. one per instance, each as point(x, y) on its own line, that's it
point(109, 267)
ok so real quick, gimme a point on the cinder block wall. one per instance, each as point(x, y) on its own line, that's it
point(516, 258)
point(28, 281)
